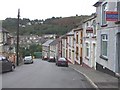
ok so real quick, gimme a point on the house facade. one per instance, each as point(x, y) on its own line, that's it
point(64, 46)
point(108, 36)
point(70, 46)
point(54, 48)
point(4, 48)
point(46, 48)
point(89, 41)
point(78, 44)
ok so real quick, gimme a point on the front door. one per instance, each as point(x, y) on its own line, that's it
point(118, 48)
point(93, 56)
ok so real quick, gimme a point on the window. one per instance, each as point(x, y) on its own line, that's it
point(87, 49)
point(69, 53)
point(104, 8)
point(94, 27)
point(87, 24)
point(104, 45)
point(77, 38)
point(77, 50)
point(69, 41)
point(81, 35)
point(118, 9)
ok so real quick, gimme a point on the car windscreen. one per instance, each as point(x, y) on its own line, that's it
point(62, 59)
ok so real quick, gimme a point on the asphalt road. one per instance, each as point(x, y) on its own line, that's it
point(43, 74)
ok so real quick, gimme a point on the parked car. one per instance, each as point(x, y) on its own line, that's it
point(62, 62)
point(28, 60)
point(51, 59)
point(44, 58)
point(6, 65)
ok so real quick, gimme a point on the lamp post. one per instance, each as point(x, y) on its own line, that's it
point(17, 62)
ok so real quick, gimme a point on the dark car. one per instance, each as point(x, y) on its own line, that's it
point(51, 59)
point(44, 58)
point(62, 62)
point(6, 65)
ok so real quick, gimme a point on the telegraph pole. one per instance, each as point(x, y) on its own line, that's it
point(17, 62)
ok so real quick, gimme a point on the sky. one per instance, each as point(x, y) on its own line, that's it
point(43, 9)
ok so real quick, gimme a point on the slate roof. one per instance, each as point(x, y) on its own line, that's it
point(47, 43)
point(56, 41)
point(70, 33)
point(4, 30)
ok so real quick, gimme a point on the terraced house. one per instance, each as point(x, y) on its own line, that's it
point(70, 46)
point(78, 45)
point(108, 36)
point(3, 41)
point(89, 41)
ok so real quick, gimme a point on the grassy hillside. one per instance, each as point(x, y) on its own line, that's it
point(54, 25)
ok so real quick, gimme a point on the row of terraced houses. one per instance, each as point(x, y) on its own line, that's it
point(95, 43)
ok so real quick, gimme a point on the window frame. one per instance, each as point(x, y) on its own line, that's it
point(87, 50)
point(104, 38)
point(103, 14)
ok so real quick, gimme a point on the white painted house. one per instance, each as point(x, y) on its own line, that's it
point(46, 48)
point(64, 46)
point(54, 48)
point(70, 46)
point(108, 36)
point(3, 41)
point(89, 41)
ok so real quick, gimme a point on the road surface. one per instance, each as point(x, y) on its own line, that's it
point(43, 74)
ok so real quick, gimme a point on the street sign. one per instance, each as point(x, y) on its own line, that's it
point(111, 16)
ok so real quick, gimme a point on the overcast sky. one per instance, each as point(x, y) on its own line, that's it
point(42, 9)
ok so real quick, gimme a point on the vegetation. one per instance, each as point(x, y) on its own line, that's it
point(30, 50)
point(54, 25)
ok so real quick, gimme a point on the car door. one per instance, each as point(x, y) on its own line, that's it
point(6, 65)
point(0, 66)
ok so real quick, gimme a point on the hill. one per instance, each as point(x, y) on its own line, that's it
point(54, 25)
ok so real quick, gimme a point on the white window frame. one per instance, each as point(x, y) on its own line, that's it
point(104, 38)
point(94, 27)
point(87, 50)
point(103, 13)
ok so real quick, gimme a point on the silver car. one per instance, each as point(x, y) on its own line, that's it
point(28, 60)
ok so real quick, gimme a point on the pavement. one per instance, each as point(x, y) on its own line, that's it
point(96, 78)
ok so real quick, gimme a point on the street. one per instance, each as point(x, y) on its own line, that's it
point(43, 74)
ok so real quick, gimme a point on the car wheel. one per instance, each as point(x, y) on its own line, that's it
point(12, 68)
point(67, 65)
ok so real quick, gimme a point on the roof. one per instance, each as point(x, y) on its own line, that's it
point(42, 40)
point(55, 42)
point(78, 29)
point(97, 3)
point(64, 37)
point(47, 43)
point(4, 30)
point(89, 19)
point(70, 33)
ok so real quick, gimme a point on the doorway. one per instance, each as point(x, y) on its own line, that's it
point(118, 50)
point(93, 56)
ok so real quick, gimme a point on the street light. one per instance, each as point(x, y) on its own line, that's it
point(18, 37)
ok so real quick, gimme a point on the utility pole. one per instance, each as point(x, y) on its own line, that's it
point(17, 62)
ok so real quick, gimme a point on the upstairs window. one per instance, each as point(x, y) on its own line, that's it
point(104, 9)
point(118, 9)
point(94, 27)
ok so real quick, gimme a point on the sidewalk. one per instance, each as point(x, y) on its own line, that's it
point(97, 79)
